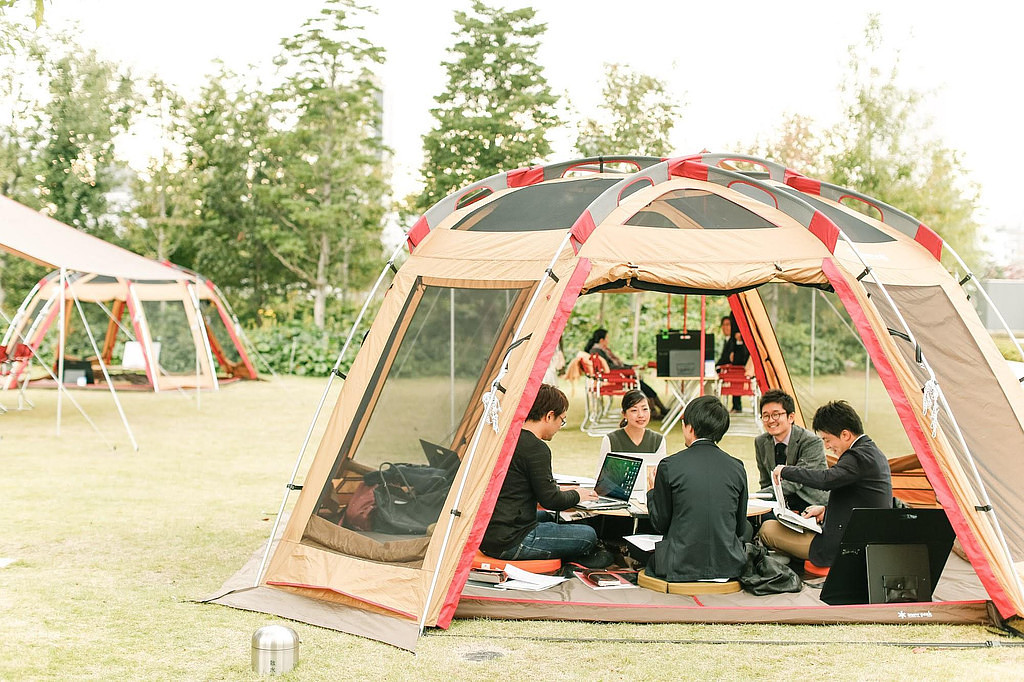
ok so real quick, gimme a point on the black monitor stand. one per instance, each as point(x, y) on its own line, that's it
point(889, 555)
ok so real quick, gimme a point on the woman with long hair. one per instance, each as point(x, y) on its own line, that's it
point(598, 344)
point(633, 437)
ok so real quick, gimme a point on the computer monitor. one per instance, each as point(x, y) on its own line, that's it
point(889, 555)
point(678, 352)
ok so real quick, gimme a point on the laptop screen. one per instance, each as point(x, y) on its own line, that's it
point(618, 476)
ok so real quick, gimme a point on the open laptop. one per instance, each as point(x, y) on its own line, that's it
point(615, 481)
point(440, 457)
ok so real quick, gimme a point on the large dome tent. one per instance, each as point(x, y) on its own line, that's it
point(473, 316)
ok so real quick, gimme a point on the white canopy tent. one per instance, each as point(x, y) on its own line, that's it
point(42, 240)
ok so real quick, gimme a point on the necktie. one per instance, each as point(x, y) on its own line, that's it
point(780, 453)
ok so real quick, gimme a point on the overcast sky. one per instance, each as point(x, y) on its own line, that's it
point(736, 67)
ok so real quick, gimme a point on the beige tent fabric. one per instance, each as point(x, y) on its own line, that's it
point(721, 259)
point(900, 356)
point(391, 587)
point(45, 241)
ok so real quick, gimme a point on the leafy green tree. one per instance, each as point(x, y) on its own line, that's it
point(227, 131)
point(639, 114)
point(327, 186)
point(91, 102)
point(496, 107)
point(163, 209)
point(884, 148)
point(57, 138)
point(38, 7)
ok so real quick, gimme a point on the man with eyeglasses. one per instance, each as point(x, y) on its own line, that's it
point(517, 530)
point(860, 478)
point(786, 444)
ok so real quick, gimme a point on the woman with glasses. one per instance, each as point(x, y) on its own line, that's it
point(517, 531)
point(785, 443)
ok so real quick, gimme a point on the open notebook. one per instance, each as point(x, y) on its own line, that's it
point(788, 517)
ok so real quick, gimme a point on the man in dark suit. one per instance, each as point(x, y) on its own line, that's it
point(860, 478)
point(699, 502)
point(785, 443)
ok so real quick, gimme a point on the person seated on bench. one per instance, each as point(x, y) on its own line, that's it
point(859, 478)
point(518, 531)
point(787, 444)
point(598, 344)
point(633, 437)
point(699, 502)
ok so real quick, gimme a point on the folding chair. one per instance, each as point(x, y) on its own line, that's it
point(732, 380)
point(16, 363)
point(603, 386)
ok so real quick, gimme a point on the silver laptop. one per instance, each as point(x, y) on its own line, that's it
point(615, 481)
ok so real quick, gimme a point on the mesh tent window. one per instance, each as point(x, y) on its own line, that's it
point(697, 208)
point(448, 345)
point(554, 206)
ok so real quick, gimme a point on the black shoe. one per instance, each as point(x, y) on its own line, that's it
point(599, 558)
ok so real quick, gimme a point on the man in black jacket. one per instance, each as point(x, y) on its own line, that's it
point(859, 478)
point(517, 531)
point(699, 502)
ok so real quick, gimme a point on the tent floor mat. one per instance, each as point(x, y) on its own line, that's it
point(122, 382)
point(959, 598)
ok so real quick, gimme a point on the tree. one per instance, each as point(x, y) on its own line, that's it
point(639, 116)
point(91, 101)
point(798, 144)
point(164, 208)
point(37, 8)
point(327, 186)
point(227, 132)
point(496, 107)
point(884, 148)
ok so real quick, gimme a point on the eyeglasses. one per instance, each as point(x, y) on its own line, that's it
point(563, 421)
point(772, 416)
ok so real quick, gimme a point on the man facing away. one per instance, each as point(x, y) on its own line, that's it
point(699, 502)
point(859, 478)
point(784, 443)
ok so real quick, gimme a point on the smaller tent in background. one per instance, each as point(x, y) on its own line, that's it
point(159, 326)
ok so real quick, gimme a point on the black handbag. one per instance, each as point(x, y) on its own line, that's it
point(766, 574)
point(409, 497)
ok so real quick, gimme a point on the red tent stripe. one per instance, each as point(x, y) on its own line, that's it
point(804, 184)
point(927, 238)
point(917, 439)
point(825, 230)
point(583, 228)
point(417, 233)
point(483, 516)
point(741, 321)
point(521, 177)
point(685, 168)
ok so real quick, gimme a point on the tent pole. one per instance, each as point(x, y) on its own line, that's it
point(60, 346)
point(490, 398)
point(290, 486)
point(638, 298)
point(106, 375)
point(452, 359)
point(204, 335)
point(814, 298)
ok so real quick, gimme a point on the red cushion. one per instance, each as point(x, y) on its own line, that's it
point(815, 570)
point(481, 560)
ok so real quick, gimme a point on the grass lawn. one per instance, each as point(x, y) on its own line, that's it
point(109, 547)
